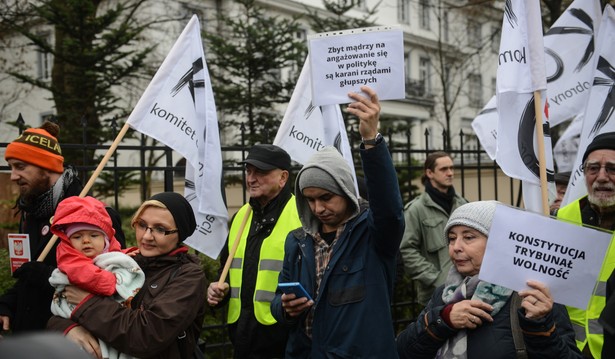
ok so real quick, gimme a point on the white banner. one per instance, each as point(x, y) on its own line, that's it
point(485, 126)
point(178, 109)
point(570, 68)
point(523, 245)
point(307, 129)
point(521, 73)
point(565, 150)
point(599, 111)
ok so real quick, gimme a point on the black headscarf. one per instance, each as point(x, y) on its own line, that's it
point(180, 210)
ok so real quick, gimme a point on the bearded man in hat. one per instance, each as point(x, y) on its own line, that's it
point(596, 209)
point(344, 255)
point(37, 167)
point(253, 275)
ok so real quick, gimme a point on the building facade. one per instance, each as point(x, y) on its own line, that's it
point(450, 51)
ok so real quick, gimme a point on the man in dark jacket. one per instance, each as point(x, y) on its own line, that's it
point(37, 167)
point(253, 276)
point(344, 256)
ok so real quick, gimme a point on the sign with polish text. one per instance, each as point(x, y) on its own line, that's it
point(343, 61)
point(523, 245)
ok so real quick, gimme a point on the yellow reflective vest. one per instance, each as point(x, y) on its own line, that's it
point(269, 263)
point(587, 329)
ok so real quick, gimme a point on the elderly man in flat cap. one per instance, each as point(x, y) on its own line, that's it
point(596, 209)
point(253, 275)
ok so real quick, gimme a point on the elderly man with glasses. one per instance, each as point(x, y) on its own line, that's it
point(596, 209)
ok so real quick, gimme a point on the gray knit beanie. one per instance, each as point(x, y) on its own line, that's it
point(317, 177)
point(476, 215)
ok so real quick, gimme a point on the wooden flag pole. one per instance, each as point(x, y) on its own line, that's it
point(541, 153)
point(231, 255)
point(90, 183)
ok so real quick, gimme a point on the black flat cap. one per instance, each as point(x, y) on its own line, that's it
point(268, 157)
point(604, 141)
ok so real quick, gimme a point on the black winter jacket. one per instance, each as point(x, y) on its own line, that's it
point(27, 303)
point(490, 340)
point(251, 339)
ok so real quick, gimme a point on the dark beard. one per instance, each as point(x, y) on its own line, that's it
point(39, 187)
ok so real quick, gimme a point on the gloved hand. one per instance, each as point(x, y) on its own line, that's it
point(34, 273)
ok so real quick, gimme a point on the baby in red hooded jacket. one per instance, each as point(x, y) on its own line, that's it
point(90, 258)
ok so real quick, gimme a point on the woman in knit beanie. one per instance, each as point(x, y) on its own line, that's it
point(167, 313)
point(469, 318)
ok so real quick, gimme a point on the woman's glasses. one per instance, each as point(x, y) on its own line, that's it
point(156, 230)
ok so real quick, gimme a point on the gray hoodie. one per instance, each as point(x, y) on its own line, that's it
point(332, 162)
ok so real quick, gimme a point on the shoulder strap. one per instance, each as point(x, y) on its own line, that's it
point(515, 304)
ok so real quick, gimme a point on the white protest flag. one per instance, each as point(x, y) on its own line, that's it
point(601, 105)
point(521, 73)
point(569, 70)
point(306, 129)
point(178, 109)
point(566, 147)
point(570, 67)
point(485, 126)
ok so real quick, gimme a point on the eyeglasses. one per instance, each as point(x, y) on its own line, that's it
point(156, 231)
point(594, 168)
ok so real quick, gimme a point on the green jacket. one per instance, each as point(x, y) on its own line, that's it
point(424, 247)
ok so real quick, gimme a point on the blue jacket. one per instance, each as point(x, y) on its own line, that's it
point(352, 315)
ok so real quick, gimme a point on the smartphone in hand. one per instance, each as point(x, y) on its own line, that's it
point(296, 288)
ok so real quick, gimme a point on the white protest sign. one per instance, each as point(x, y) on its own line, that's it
point(343, 61)
point(524, 245)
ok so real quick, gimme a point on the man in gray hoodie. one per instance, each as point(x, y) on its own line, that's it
point(344, 256)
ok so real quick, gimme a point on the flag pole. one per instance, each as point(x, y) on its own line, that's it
point(89, 184)
point(541, 153)
point(231, 255)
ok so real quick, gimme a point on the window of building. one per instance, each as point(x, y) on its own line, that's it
point(495, 39)
point(300, 35)
point(424, 12)
point(445, 27)
point(360, 4)
point(474, 34)
point(425, 73)
point(475, 93)
point(47, 116)
point(403, 11)
point(44, 61)
point(408, 64)
point(447, 84)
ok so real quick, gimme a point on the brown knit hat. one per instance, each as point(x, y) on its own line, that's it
point(38, 146)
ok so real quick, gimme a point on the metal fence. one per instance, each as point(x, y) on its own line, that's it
point(477, 178)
